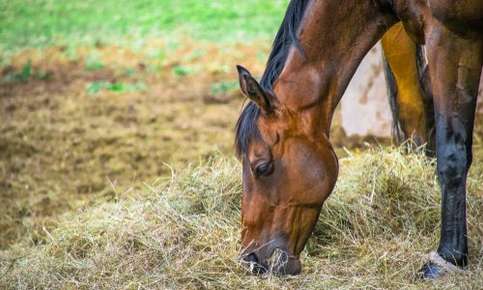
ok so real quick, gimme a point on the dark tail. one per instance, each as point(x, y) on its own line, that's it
point(398, 133)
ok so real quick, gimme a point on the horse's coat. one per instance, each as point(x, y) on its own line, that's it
point(289, 166)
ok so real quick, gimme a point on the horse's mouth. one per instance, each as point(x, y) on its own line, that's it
point(279, 263)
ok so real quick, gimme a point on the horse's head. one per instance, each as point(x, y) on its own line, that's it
point(288, 172)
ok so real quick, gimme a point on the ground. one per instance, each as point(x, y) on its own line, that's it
point(117, 167)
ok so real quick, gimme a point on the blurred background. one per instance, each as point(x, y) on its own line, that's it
point(99, 97)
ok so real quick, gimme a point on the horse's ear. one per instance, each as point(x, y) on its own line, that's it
point(252, 89)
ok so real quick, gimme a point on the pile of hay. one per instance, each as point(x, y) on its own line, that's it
point(183, 232)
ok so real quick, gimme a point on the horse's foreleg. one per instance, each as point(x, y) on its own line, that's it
point(454, 67)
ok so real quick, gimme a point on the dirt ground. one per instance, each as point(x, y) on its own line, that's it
point(85, 126)
point(75, 131)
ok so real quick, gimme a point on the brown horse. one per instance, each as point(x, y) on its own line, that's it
point(289, 166)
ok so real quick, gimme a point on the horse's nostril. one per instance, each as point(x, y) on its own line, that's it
point(254, 264)
point(250, 258)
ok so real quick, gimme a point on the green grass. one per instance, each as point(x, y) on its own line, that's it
point(34, 23)
point(117, 87)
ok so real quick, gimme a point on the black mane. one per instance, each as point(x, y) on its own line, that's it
point(246, 128)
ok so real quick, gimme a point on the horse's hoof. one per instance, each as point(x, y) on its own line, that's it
point(431, 271)
point(437, 267)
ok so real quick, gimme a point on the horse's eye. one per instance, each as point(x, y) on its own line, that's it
point(264, 169)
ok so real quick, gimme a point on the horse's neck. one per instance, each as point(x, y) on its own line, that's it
point(334, 36)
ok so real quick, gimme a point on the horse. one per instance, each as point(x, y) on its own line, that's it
point(289, 167)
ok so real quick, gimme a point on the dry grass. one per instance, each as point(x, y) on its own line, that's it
point(183, 232)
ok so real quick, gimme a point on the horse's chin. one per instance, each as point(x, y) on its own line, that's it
point(283, 264)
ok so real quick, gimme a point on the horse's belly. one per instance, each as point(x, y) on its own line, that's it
point(461, 15)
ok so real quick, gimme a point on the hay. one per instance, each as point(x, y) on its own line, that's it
point(183, 232)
